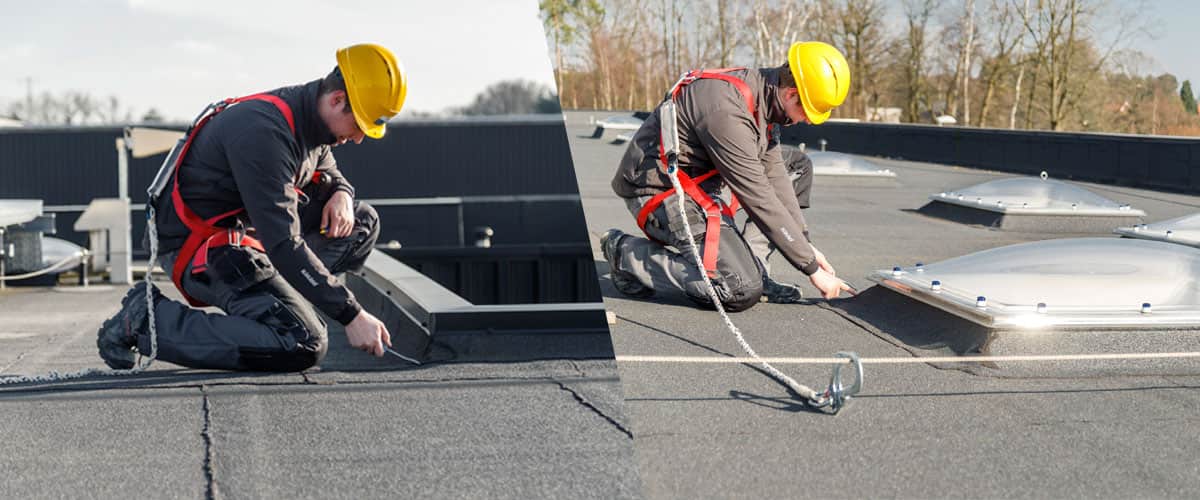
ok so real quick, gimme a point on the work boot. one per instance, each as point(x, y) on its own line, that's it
point(625, 282)
point(117, 337)
point(780, 293)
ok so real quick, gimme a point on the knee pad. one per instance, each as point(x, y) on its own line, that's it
point(743, 298)
point(736, 294)
point(366, 216)
point(307, 342)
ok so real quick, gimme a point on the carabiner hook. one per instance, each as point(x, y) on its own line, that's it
point(837, 395)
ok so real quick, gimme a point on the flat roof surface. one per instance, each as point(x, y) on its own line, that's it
point(916, 431)
point(359, 427)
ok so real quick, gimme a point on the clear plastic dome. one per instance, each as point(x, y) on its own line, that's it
point(1183, 230)
point(832, 163)
point(1076, 282)
point(1035, 196)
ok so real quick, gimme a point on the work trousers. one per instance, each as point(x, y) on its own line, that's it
point(267, 325)
point(666, 264)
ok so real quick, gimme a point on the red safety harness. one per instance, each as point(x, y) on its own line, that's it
point(204, 233)
point(713, 206)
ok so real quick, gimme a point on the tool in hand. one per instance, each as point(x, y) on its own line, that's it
point(401, 356)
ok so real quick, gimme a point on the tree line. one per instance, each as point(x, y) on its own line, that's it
point(1018, 64)
point(75, 107)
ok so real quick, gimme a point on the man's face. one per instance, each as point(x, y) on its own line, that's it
point(791, 105)
point(335, 111)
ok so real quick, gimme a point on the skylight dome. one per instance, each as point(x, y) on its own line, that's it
point(829, 163)
point(1063, 283)
point(1182, 230)
point(1035, 196)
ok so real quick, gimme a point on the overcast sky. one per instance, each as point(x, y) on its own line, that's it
point(178, 55)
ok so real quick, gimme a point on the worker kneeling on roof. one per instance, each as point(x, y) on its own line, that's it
point(256, 220)
point(727, 136)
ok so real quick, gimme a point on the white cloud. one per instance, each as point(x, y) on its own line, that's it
point(194, 46)
point(17, 51)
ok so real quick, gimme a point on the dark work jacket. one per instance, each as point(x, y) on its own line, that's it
point(717, 131)
point(247, 157)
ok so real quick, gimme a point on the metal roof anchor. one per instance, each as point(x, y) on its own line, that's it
point(836, 396)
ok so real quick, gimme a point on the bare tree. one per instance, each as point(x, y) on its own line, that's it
point(957, 44)
point(917, 13)
point(1012, 116)
point(1001, 31)
point(776, 27)
point(1065, 31)
point(727, 37)
point(513, 97)
point(69, 108)
point(968, 47)
point(858, 32)
point(558, 16)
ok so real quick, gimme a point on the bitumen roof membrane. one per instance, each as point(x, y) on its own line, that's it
point(1096, 429)
point(358, 427)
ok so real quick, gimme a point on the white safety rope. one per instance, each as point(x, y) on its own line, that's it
point(911, 359)
point(800, 389)
point(669, 119)
point(47, 270)
point(143, 363)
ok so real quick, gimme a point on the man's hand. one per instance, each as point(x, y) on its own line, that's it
point(337, 218)
point(368, 333)
point(830, 286)
point(823, 262)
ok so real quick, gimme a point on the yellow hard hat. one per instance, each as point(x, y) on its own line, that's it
point(822, 78)
point(375, 85)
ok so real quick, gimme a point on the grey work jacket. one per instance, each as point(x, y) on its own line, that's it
point(716, 130)
point(248, 157)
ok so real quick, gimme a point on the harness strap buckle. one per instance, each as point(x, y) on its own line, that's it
point(237, 234)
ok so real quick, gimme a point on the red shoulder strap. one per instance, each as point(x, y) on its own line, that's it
point(279, 104)
point(723, 75)
point(199, 230)
point(189, 218)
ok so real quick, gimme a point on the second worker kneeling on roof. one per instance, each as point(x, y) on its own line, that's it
point(255, 218)
point(727, 127)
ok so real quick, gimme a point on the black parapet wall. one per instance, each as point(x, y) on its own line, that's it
point(512, 174)
point(1155, 162)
